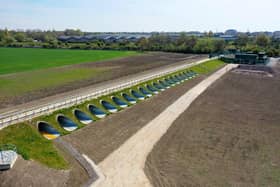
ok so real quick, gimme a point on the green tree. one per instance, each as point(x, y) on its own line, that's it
point(73, 32)
point(218, 45)
point(143, 44)
point(203, 46)
point(242, 40)
point(262, 40)
point(20, 37)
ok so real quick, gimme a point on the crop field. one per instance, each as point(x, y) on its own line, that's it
point(14, 60)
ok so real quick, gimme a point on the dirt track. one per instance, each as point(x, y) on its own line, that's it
point(228, 137)
point(118, 68)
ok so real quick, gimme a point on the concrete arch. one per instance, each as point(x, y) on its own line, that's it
point(152, 89)
point(164, 84)
point(137, 95)
point(128, 98)
point(119, 102)
point(82, 117)
point(144, 92)
point(96, 111)
point(47, 130)
point(108, 106)
point(66, 123)
point(158, 86)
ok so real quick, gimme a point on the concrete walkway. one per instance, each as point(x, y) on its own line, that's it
point(125, 166)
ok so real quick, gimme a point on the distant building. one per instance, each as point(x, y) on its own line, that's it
point(228, 37)
point(231, 32)
point(115, 37)
point(276, 34)
point(195, 33)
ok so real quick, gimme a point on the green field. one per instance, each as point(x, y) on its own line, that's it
point(13, 60)
point(25, 82)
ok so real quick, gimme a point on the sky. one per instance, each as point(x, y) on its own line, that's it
point(141, 15)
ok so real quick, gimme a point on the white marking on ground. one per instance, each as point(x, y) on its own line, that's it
point(125, 166)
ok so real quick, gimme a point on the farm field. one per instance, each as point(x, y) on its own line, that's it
point(22, 87)
point(22, 83)
point(14, 60)
point(235, 143)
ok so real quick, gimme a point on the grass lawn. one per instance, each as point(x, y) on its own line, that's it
point(13, 60)
point(31, 145)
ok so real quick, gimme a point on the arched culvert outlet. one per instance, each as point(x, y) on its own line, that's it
point(144, 92)
point(179, 78)
point(164, 84)
point(96, 111)
point(170, 82)
point(129, 99)
point(137, 95)
point(108, 106)
point(66, 123)
point(158, 86)
point(82, 117)
point(175, 80)
point(189, 76)
point(47, 130)
point(184, 76)
point(119, 102)
point(152, 89)
point(194, 73)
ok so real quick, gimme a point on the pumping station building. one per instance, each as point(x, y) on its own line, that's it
point(246, 58)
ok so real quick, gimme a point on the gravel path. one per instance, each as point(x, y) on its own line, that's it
point(125, 166)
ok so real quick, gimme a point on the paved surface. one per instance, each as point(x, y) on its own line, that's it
point(125, 166)
point(83, 161)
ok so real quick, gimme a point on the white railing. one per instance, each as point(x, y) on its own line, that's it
point(30, 113)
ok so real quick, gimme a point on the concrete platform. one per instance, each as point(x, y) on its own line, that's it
point(7, 159)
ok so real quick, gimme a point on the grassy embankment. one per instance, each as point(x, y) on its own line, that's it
point(33, 146)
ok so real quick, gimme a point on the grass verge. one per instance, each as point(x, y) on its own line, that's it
point(31, 145)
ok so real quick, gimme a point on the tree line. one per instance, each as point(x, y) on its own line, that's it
point(157, 42)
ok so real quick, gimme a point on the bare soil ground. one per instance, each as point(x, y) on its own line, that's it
point(230, 136)
point(117, 68)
